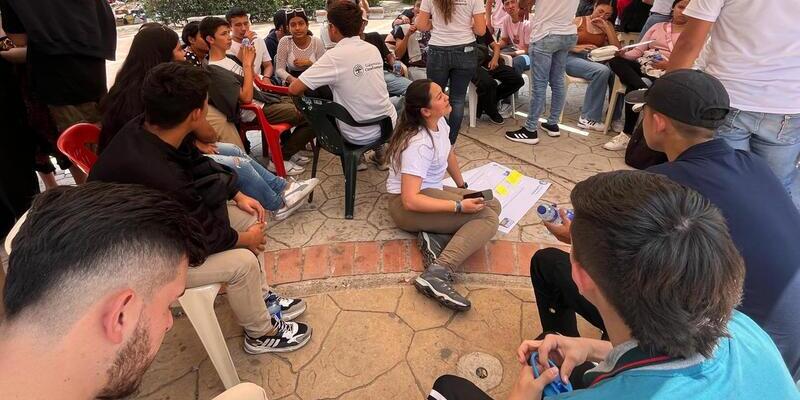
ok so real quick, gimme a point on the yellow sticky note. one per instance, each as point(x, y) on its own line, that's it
point(501, 190)
point(513, 177)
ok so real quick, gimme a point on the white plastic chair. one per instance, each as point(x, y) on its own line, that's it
point(198, 304)
point(616, 90)
point(570, 80)
point(472, 102)
point(243, 391)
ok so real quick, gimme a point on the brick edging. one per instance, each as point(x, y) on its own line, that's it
point(391, 256)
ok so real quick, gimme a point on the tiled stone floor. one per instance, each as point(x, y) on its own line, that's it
point(374, 343)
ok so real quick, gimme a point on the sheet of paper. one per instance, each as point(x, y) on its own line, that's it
point(516, 192)
point(630, 46)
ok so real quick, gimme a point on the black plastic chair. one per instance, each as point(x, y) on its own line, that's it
point(322, 114)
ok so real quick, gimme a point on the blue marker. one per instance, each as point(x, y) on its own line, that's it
point(553, 388)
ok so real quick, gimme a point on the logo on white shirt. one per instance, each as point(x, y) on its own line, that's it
point(358, 70)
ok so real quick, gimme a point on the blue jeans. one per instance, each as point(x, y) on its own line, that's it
point(396, 85)
point(600, 78)
point(453, 66)
point(549, 59)
point(774, 137)
point(652, 20)
point(521, 63)
point(254, 180)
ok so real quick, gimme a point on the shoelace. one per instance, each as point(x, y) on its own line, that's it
point(282, 326)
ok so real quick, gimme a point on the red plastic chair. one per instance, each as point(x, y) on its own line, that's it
point(75, 143)
point(270, 133)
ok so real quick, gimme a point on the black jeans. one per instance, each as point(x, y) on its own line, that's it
point(489, 91)
point(630, 74)
point(557, 297)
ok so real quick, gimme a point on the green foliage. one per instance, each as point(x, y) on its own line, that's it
point(177, 11)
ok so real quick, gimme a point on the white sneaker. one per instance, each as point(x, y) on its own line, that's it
point(505, 110)
point(619, 142)
point(296, 192)
point(286, 211)
point(617, 125)
point(292, 169)
point(299, 159)
point(591, 125)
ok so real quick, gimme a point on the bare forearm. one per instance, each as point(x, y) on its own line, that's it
point(246, 94)
point(454, 170)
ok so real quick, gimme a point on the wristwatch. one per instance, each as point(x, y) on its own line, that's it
point(458, 206)
point(465, 185)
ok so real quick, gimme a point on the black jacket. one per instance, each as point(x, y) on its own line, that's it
point(201, 185)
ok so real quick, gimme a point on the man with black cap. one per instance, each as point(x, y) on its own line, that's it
point(681, 112)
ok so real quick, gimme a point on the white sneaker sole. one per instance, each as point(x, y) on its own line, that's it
point(427, 289)
point(285, 214)
point(526, 141)
point(263, 350)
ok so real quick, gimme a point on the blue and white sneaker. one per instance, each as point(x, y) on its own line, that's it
point(289, 336)
point(290, 308)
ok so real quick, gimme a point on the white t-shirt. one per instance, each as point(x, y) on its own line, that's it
point(459, 30)
point(663, 7)
point(754, 51)
point(262, 55)
point(354, 71)
point(554, 17)
point(425, 157)
point(232, 66)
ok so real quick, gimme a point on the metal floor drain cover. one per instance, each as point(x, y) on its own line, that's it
point(484, 370)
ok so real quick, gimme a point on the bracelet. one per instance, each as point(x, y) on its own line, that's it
point(458, 206)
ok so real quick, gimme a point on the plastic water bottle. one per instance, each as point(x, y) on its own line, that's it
point(274, 306)
point(397, 68)
point(245, 42)
point(549, 213)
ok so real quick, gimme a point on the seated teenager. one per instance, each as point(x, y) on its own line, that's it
point(123, 103)
point(277, 33)
point(490, 70)
point(411, 46)
point(682, 110)
point(195, 49)
point(156, 150)
point(395, 83)
point(354, 71)
point(239, 21)
point(405, 16)
point(665, 280)
point(298, 50)
point(629, 70)
point(594, 31)
point(419, 154)
point(94, 269)
point(515, 36)
point(276, 109)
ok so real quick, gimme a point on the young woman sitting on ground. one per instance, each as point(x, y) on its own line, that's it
point(419, 154)
point(594, 31)
point(152, 46)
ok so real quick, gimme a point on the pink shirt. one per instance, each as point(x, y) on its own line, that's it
point(517, 33)
point(663, 37)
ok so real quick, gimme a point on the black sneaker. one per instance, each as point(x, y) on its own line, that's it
point(290, 308)
point(551, 129)
point(523, 135)
point(497, 119)
point(290, 336)
point(435, 283)
point(431, 245)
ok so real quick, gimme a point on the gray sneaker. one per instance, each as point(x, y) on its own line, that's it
point(431, 245)
point(435, 283)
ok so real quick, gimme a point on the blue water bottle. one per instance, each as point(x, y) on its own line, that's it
point(245, 42)
point(274, 306)
point(397, 68)
point(549, 213)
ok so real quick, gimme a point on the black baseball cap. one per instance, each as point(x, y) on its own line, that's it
point(686, 95)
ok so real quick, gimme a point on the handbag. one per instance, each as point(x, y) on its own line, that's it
point(638, 155)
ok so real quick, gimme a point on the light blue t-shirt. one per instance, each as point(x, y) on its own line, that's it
point(745, 366)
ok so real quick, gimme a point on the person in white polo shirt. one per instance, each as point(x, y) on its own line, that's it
point(354, 71)
point(240, 29)
point(755, 52)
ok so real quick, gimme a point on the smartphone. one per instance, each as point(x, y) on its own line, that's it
point(485, 194)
